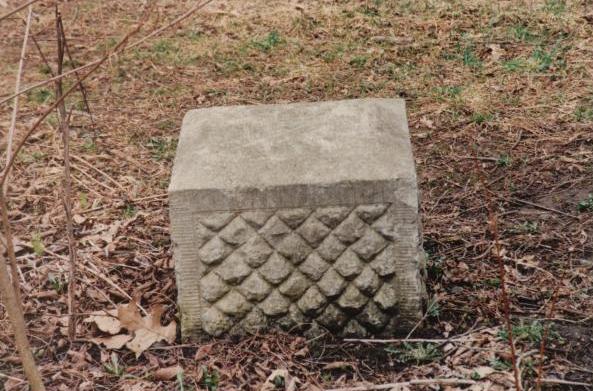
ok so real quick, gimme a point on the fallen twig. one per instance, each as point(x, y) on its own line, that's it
point(549, 380)
point(17, 9)
point(543, 207)
point(417, 382)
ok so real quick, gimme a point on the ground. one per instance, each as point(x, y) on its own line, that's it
point(500, 106)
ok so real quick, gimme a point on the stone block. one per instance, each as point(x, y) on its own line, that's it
point(300, 216)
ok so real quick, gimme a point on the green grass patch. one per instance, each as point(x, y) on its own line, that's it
point(415, 353)
point(530, 332)
point(269, 42)
point(514, 65)
point(162, 148)
point(586, 205)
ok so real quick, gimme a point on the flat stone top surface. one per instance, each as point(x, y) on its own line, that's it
point(285, 148)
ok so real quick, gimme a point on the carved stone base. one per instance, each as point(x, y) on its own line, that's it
point(341, 256)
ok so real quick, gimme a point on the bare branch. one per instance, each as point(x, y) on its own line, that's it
point(17, 9)
point(113, 53)
point(15, 314)
point(15, 107)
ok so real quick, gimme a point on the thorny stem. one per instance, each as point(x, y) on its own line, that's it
point(504, 295)
point(542, 345)
point(67, 185)
point(492, 220)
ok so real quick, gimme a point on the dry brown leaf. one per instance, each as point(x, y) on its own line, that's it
point(150, 331)
point(130, 317)
point(167, 373)
point(290, 383)
point(106, 321)
point(338, 365)
point(203, 351)
point(114, 342)
point(143, 331)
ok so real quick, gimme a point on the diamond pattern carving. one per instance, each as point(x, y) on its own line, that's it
point(331, 266)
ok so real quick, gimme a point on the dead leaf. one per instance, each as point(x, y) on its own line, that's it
point(483, 371)
point(78, 219)
point(151, 331)
point(130, 317)
point(114, 342)
point(106, 321)
point(278, 378)
point(167, 373)
point(203, 351)
point(143, 331)
point(338, 365)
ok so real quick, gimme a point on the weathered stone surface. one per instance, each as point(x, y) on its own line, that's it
point(331, 284)
point(275, 304)
point(276, 269)
point(295, 285)
point(314, 267)
point(348, 264)
point(301, 216)
point(255, 288)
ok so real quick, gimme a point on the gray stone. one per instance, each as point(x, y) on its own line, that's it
point(330, 248)
point(367, 281)
point(384, 263)
point(275, 304)
point(354, 329)
point(236, 232)
point(295, 285)
point(331, 284)
point(386, 298)
point(257, 218)
point(372, 317)
point(348, 264)
point(233, 270)
point(274, 230)
point(214, 251)
point(276, 269)
point(293, 217)
point(294, 248)
point(203, 235)
point(297, 215)
point(370, 213)
point(332, 317)
point(213, 287)
point(311, 301)
point(352, 299)
point(255, 252)
point(313, 231)
point(350, 229)
point(234, 304)
point(369, 244)
point(332, 215)
point(255, 288)
point(215, 220)
point(215, 322)
point(314, 266)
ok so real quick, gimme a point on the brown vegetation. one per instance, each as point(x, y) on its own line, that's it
point(500, 102)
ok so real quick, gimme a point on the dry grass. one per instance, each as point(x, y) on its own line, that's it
point(508, 82)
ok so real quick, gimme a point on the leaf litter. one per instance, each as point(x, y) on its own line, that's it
point(503, 83)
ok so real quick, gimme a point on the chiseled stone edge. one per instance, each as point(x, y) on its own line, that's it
point(187, 266)
point(403, 190)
